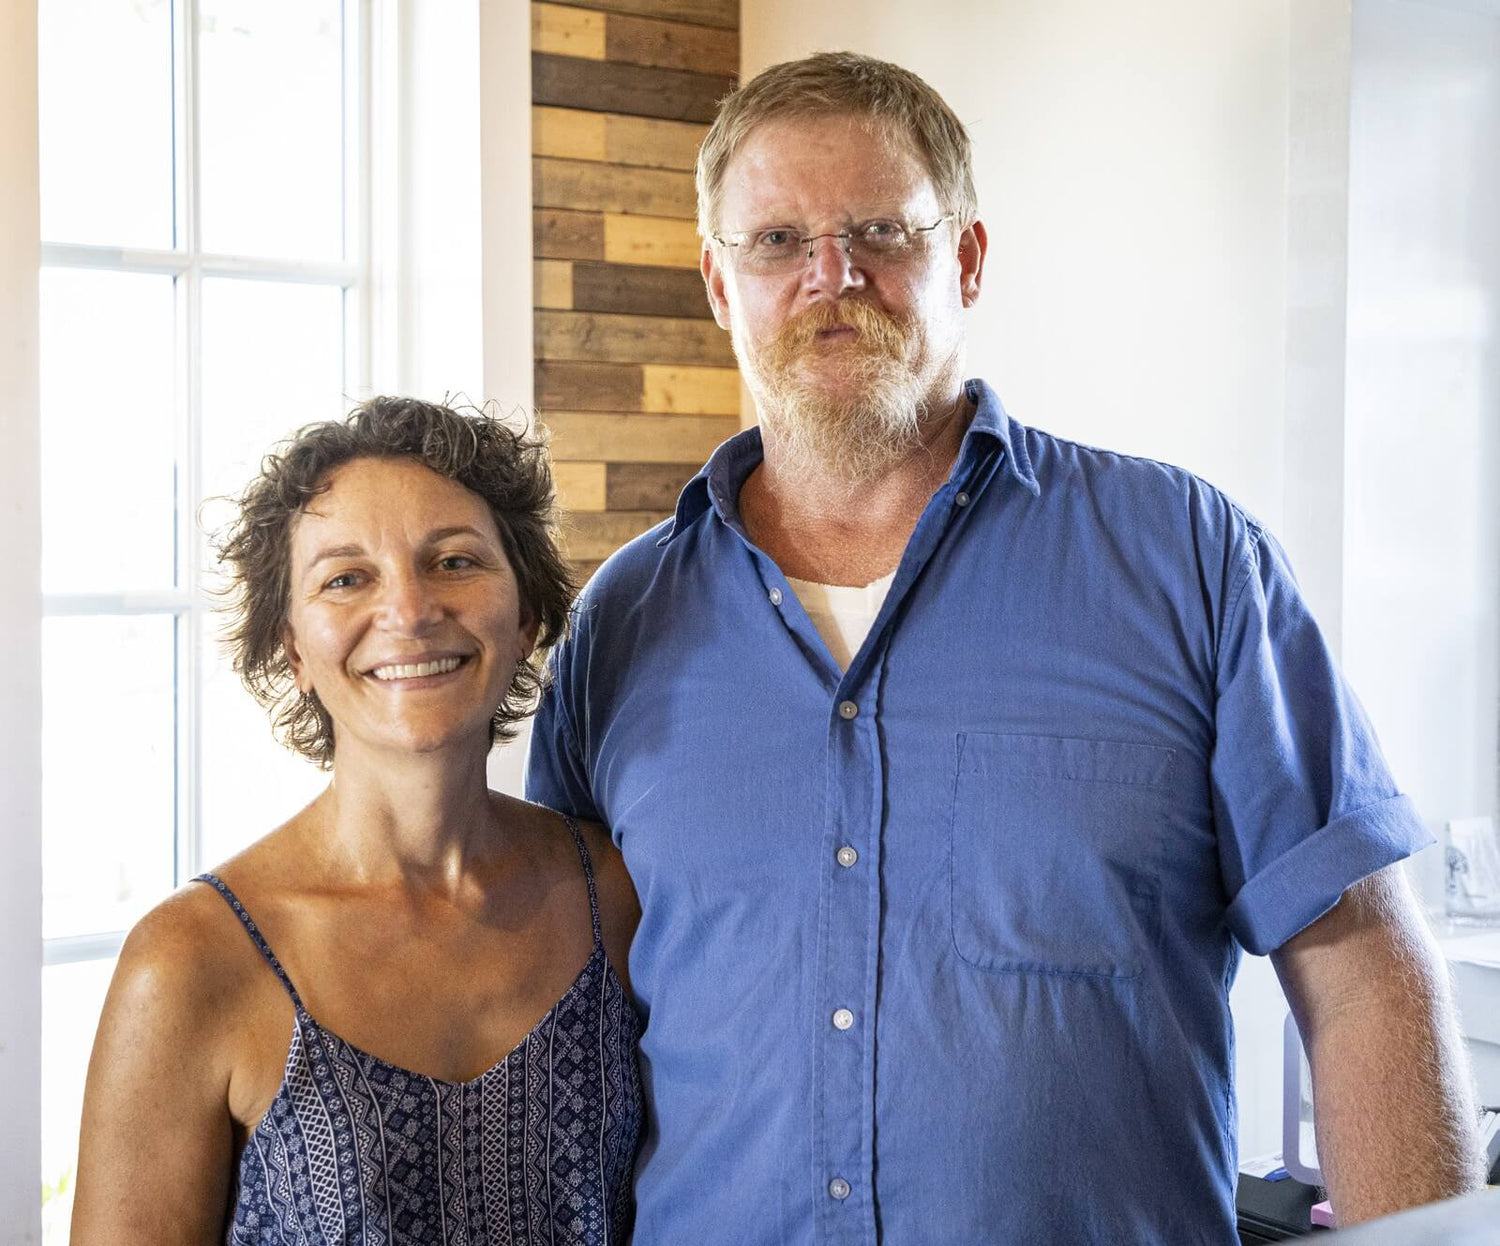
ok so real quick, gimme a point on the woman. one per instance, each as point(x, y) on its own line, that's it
point(391, 576)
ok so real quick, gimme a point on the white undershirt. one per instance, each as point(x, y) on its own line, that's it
point(842, 615)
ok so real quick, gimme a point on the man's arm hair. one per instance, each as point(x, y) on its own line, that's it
point(1392, 1093)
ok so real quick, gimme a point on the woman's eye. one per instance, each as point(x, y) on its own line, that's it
point(455, 562)
point(345, 579)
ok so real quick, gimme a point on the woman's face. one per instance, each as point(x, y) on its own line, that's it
point(404, 615)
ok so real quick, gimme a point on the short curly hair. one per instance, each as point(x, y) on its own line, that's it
point(506, 468)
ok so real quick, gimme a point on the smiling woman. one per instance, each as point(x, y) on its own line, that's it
point(390, 578)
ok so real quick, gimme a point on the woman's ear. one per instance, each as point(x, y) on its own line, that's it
point(294, 659)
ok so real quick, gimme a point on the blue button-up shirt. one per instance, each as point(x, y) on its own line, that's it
point(939, 948)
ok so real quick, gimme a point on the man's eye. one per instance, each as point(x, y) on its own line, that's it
point(775, 239)
point(882, 233)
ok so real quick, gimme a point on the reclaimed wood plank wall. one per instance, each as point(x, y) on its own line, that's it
point(634, 381)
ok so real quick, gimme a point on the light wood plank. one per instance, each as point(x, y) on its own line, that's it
point(552, 284)
point(570, 133)
point(562, 235)
point(724, 14)
point(596, 536)
point(613, 86)
point(652, 142)
point(567, 31)
point(592, 436)
point(582, 486)
point(655, 241)
point(631, 339)
point(690, 390)
point(671, 45)
point(586, 186)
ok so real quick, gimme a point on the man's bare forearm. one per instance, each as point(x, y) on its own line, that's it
point(1396, 1120)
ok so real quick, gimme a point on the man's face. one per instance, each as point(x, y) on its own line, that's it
point(848, 350)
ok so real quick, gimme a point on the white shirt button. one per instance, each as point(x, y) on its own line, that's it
point(961, 499)
point(846, 856)
point(775, 596)
point(847, 710)
point(838, 1188)
point(843, 1019)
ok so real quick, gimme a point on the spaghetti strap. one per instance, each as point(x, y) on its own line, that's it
point(213, 880)
point(588, 874)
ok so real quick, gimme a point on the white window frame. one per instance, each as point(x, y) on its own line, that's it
point(188, 604)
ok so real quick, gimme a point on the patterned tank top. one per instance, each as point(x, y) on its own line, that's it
point(536, 1151)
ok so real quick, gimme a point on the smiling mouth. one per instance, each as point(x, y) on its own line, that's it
point(416, 670)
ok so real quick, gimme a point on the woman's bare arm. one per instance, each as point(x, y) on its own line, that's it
point(157, 1139)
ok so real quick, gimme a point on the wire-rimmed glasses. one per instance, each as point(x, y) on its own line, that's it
point(780, 249)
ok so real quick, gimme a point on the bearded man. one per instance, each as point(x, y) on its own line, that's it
point(956, 763)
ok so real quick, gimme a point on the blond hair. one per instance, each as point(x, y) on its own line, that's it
point(842, 84)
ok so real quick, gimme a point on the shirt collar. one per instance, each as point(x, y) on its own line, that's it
point(718, 484)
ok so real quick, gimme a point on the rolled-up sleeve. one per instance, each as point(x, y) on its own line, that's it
point(556, 773)
point(1304, 804)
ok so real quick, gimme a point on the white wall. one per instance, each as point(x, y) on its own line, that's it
point(20, 638)
point(1422, 530)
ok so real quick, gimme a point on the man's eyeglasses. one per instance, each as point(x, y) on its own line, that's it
point(782, 249)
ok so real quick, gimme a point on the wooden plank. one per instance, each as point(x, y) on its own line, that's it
point(567, 31)
point(637, 290)
point(587, 186)
point(690, 390)
point(552, 284)
point(651, 141)
point(582, 487)
point(668, 45)
point(610, 86)
point(561, 235)
point(645, 486)
point(590, 436)
point(652, 240)
point(723, 14)
point(570, 133)
point(583, 569)
point(576, 386)
point(598, 535)
point(631, 339)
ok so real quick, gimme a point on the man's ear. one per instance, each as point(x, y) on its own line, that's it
point(294, 659)
point(972, 245)
point(713, 282)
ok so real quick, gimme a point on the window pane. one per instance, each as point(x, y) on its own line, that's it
point(108, 455)
point(251, 784)
point(72, 996)
point(273, 360)
point(105, 102)
point(272, 139)
point(108, 770)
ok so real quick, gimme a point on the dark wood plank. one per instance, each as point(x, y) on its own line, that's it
point(645, 486)
point(589, 186)
point(631, 339)
point(672, 45)
point(561, 235)
point(724, 14)
point(566, 385)
point(608, 86)
point(634, 289)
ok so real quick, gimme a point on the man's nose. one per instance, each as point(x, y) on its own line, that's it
point(830, 269)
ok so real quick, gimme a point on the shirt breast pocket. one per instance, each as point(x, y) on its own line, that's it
point(1055, 854)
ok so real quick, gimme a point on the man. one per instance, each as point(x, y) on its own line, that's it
point(954, 764)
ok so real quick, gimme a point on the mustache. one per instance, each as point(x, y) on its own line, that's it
point(880, 333)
